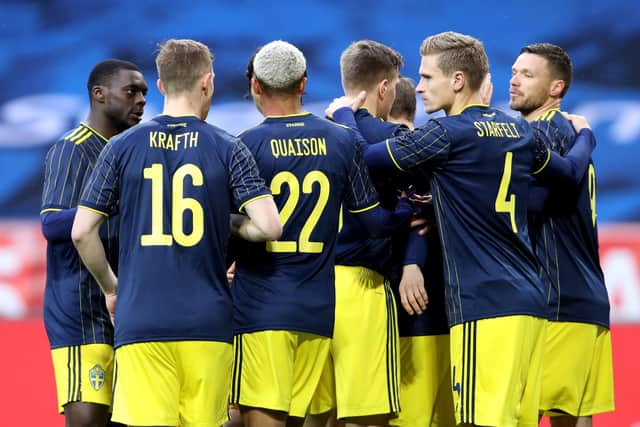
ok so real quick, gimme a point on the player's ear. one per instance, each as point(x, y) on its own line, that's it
point(303, 85)
point(382, 88)
point(160, 87)
point(255, 86)
point(557, 86)
point(98, 93)
point(457, 81)
point(205, 81)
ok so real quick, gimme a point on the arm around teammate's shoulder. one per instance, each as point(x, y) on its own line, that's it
point(570, 169)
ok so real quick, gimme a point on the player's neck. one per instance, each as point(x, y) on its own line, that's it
point(184, 106)
point(462, 100)
point(281, 106)
point(549, 104)
point(370, 102)
point(101, 124)
point(401, 121)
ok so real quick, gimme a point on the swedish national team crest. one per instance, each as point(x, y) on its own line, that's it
point(96, 377)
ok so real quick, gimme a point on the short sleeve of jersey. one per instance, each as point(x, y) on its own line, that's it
point(541, 150)
point(246, 183)
point(426, 145)
point(361, 194)
point(101, 193)
point(65, 164)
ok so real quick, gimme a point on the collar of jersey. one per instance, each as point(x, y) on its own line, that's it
point(470, 106)
point(94, 131)
point(543, 114)
point(193, 116)
point(304, 113)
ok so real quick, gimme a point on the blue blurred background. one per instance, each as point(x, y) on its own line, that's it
point(47, 49)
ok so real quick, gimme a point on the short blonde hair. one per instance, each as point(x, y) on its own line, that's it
point(458, 52)
point(366, 62)
point(181, 62)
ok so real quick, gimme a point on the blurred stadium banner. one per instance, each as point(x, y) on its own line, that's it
point(23, 268)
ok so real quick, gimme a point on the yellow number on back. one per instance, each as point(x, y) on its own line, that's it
point(287, 210)
point(505, 202)
point(179, 204)
point(303, 244)
point(592, 192)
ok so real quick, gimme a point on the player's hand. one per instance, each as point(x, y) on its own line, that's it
point(578, 122)
point(345, 101)
point(486, 89)
point(413, 295)
point(110, 299)
point(231, 272)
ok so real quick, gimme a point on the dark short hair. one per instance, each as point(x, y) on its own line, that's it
point(103, 71)
point(405, 102)
point(559, 62)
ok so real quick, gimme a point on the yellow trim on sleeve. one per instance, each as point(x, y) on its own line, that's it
point(79, 135)
point(262, 196)
point(547, 115)
point(365, 209)
point(94, 210)
point(391, 155)
point(74, 132)
point(544, 165)
point(49, 210)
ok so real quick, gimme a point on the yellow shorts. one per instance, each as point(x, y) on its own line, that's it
point(84, 373)
point(362, 377)
point(425, 383)
point(324, 398)
point(182, 383)
point(496, 366)
point(578, 370)
point(278, 370)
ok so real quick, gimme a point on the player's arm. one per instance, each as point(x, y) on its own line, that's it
point(98, 201)
point(261, 223)
point(413, 294)
point(86, 238)
point(56, 224)
point(362, 200)
point(538, 197)
point(252, 197)
point(550, 167)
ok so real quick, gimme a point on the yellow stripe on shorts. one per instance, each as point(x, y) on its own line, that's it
point(74, 369)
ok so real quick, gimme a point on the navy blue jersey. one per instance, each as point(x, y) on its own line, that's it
point(481, 161)
point(174, 181)
point(355, 246)
point(74, 308)
point(567, 239)
point(312, 166)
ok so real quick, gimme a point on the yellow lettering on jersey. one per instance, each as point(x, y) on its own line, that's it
point(169, 141)
point(297, 147)
point(497, 129)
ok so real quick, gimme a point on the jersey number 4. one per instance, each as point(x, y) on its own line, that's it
point(505, 202)
point(179, 204)
point(303, 244)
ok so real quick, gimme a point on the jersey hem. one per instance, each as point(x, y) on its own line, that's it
point(167, 339)
point(250, 329)
point(541, 315)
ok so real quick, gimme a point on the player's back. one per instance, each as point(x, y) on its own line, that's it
point(175, 200)
point(567, 242)
point(289, 284)
point(480, 196)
